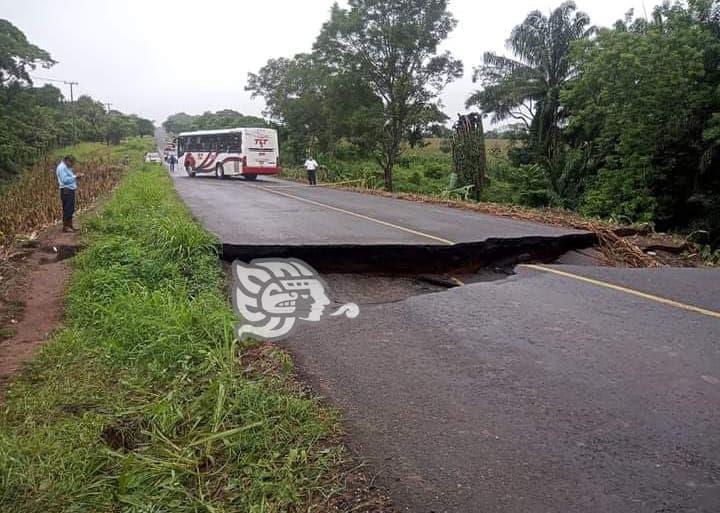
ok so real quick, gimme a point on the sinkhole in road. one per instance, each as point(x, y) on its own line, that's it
point(409, 259)
point(381, 274)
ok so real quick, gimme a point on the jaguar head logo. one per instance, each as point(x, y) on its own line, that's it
point(271, 295)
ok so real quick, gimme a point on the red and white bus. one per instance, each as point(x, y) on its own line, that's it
point(246, 152)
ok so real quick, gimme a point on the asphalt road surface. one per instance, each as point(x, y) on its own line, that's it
point(537, 393)
point(275, 212)
point(562, 388)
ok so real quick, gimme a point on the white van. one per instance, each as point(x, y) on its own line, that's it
point(246, 152)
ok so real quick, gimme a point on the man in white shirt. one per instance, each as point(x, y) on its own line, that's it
point(311, 166)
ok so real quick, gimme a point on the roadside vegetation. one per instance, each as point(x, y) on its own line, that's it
point(30, 202)
point(227, 118)
point(36, 120)
point(145, 401)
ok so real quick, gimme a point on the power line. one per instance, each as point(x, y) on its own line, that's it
point(66, 82)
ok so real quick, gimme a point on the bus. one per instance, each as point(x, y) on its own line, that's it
point(246, 152)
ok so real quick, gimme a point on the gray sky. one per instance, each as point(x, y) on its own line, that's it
point(158, 57)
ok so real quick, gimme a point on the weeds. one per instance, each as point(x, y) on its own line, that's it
point(31, 201)
point(145, 402)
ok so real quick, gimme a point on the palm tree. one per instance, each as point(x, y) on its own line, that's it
point(527, 88)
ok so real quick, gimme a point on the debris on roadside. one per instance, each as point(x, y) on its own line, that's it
point(621, 246)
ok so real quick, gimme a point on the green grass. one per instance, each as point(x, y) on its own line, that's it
point(145, 402)
point(424, 169)
point(135, 147)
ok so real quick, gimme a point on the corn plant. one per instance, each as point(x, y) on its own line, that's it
point(32, 201)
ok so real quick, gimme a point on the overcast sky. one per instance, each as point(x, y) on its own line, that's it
point(158, 57)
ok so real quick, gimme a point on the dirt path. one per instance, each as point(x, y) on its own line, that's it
point(31, 298)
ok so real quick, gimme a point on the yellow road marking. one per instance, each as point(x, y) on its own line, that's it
point(361, 216)
point(632, 292)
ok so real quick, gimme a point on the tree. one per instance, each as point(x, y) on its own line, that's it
point(18, 55)
point(392, 46)
point(469, 156)
point(119, 127)
point(643, 110)
point(143, 126)
point(182, 122)
point(90, 119)
point(527, 88)
point(427, 121)
point(316, 105)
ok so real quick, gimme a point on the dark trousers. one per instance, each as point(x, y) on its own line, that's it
point(67, 198)
point(312, 176)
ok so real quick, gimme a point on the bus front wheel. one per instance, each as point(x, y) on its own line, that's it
point(219, 172)
point(250, 178)
point(190, 171)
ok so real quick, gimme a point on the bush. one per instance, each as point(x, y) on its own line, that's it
point(436, 171)
point(415, 178)
point(622, 195)
point(523, 185)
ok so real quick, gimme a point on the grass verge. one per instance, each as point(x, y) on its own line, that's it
point(144, 401)
point(30, 202)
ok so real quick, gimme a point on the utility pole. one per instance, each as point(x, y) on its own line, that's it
point(71, 84)
point(66, 82)
point(108, 105)
point(72, 99)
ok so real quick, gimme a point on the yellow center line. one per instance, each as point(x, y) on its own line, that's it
point(632, 292)
point(355, 214)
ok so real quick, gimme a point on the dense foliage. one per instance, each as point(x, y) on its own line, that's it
point(182, 122)
point(629, 127)
point(34, 120)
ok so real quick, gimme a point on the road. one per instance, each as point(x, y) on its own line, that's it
point(561, 388)
point(276, 212)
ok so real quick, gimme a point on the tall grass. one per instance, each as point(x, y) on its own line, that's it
point(32, 201)
point(145, 402)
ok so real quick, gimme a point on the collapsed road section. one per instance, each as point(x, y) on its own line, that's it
point(343, 231)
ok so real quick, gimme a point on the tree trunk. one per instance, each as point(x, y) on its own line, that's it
point(389, 176)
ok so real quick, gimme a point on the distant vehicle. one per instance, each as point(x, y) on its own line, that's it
point(246, 152)
point(153, 157)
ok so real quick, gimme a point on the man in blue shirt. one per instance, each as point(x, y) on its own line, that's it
point(67, 180)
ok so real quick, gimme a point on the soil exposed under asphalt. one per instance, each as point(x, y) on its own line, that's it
point(32, 285)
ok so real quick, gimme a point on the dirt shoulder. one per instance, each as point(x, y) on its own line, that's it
point(33, 277)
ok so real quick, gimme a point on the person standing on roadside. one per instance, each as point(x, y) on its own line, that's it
point(311, 166)
point(172, 160)
point(67, 180)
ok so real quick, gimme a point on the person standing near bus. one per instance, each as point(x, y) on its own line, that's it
point(311, 166)
point(67, 180)
point(189, 163)
point(172, 160)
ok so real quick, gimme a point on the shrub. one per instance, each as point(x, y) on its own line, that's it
point(435, 171)
point(619, 194)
